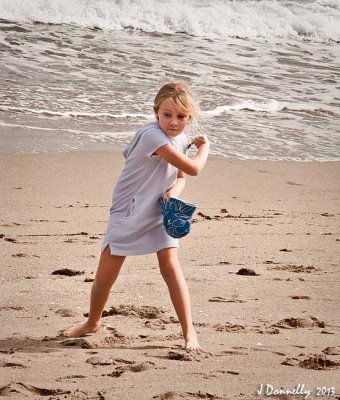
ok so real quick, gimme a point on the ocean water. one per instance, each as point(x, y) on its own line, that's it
point(82, 74)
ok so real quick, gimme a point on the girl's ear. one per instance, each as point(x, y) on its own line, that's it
point(156, 115)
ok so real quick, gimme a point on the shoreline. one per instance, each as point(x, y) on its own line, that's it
point(116, 148)
point(55, 144)
point(279, 219)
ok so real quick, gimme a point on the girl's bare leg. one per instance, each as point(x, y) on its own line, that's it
point(172, 274)
point(107, 273)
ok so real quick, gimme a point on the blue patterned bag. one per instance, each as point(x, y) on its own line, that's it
point(176, 216)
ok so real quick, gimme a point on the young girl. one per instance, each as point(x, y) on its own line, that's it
point(155, 165)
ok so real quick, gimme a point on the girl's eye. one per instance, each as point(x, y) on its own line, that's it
point(181, 116)
point(167, 115)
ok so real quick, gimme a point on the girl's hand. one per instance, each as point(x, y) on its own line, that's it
point(169, 193)
point(198, 141)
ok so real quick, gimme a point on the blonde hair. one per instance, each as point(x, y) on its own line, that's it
point(181, 95)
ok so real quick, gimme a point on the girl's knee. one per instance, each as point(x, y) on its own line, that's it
point(108, 270)
point(169, 264)
point(170, 271)
point(101, 285)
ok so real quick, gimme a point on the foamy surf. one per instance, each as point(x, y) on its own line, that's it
point(268, 97)
point(76, 114)
point(247, 105)
point(270, 106)
point(314, 20)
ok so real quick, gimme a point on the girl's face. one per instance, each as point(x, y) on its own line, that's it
point(171, 120)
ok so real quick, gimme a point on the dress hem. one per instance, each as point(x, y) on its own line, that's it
point(135, 253)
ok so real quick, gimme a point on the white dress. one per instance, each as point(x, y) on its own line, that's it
point(135, 225)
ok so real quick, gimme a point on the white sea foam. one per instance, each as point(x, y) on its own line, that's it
point(268, 106)
point(64, 86)
point(265, 106)
point(252, 105)
point(38, 128)
point(92, 135)
point(68, 114)
point(317, 19)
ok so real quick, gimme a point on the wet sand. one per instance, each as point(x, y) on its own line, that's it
point(262, 265)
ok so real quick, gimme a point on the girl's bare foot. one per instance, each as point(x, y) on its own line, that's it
point(191, 343)
point(81, 330)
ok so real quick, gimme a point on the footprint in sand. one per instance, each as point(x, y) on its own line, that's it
point(295, 268)
point(29, 390)
point(78, 342)
point(174, 355)
point(107, 342)
point(146, 312)
point(66, 313)
point(239, 328)
point(287, 323)
point(266, 330)
point(187, 355)
point(155, 325)
point(228, 328)
point(153, 339)
point(316, 362)
point(293, 323)
point(112, 341)
point(120, 370)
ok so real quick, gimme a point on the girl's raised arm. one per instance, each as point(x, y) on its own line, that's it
point(190, 165)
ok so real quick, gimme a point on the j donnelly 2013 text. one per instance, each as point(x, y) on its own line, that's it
point(299, 390)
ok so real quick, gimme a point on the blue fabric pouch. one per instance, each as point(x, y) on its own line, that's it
point(177, 216)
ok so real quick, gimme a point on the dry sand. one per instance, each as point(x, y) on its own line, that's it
point(279, 219)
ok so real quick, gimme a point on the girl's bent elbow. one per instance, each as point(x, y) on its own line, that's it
point(194, 171)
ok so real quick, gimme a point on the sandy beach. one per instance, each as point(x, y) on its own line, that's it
point(261, 262)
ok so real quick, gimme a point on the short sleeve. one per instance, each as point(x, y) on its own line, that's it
point(152, 140)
